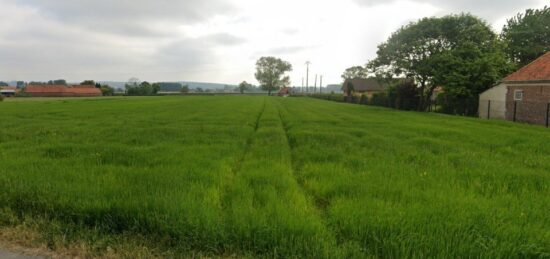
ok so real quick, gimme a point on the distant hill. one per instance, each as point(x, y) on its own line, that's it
point(192, 85)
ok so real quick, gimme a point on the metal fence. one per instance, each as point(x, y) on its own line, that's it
point(517, 111)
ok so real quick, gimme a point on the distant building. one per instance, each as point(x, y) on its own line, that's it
point(361, 86)
point(62, 91)
point(8, 91)
point(522, 96)
point(285, 91)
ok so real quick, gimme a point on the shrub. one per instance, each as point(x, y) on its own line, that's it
point(363, 99)
point(379, 99)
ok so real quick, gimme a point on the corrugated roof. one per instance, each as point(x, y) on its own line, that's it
point(538, 70)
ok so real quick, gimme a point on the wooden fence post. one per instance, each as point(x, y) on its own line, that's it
point(489, 109)
point(515, 109)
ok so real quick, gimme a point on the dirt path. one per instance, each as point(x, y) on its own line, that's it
point(9, 255)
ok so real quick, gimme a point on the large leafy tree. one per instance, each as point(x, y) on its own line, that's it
point(459, 52)
point(355, 72)
point(527, 35)
point(270, 73)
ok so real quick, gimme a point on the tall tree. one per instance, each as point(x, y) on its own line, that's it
point(459, 52)
point(527, 35)
point(270, 73)
point(355, 72)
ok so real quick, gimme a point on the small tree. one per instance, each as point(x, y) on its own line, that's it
point(156, 88)
point(270, 73)
point(184, 89)
point(106, 90)
point(243, 86)
point(58, 82)
point(88, 82)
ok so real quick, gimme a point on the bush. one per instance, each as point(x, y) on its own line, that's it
point(379, 99)
point(363, 99)
point(1, 98)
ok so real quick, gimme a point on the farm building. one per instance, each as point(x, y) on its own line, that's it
point(62, 91)
point(360, 86)
point(8, 91)
point(523, 96)
point(285, 91)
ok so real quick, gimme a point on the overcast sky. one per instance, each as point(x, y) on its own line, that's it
point(208, 40)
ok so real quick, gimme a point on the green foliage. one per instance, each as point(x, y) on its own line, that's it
point(107, 90)
point(88, 82)
point(1, 98)
point(244, 86)
point(156, 87)
point(363, 99)
point(380, 99)
point(170, 87)
point(527, 35)
point(3, 84)
point(57, 82)
point(355, 72)
point(274, 178)
point(141, 89)
point(270, 73)
point(459, 52)
point(184, 89)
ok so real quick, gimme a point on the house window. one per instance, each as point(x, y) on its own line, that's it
point(518, 95)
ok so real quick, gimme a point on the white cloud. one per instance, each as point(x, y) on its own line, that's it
point(207, 40)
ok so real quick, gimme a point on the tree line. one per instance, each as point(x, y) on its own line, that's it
point(459, 53)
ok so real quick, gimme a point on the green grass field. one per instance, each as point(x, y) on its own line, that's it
point(273, 177)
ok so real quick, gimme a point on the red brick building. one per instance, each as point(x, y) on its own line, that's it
point(523, 96)
point(62, 91)
point(528, 92)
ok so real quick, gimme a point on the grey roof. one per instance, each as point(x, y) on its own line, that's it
point(363, 85)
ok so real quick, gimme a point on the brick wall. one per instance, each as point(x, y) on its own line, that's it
point(533, 107)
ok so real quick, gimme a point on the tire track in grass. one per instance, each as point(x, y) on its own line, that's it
point(320, 205)
point(230, 177)
point(267, 213)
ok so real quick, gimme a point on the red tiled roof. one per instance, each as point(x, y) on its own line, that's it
point(45, 89)
point(83, 86)
point(8, 87)
point(60, 89)
point(538, 70)
point(83, 90)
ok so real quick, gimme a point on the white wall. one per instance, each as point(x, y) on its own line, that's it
point(497, 98)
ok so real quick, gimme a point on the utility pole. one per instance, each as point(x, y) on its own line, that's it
point(307, 76)
point(302, 88)
point(315, 87)
point(321, 85)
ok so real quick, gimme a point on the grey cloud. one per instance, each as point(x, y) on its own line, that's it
point(487, 9)
point(128, 17)
point(223, 39)
point(287, 50)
